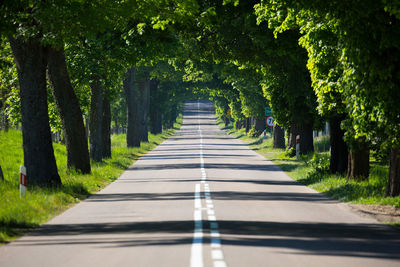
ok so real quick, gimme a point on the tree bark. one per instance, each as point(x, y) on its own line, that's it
point(96, 120)
point(106, 128)
point(155, 109)
point(1, 175)
point(132, 103)
point(279, 137)
point(339, 150)
point(358, 162)
point(31, 61)
point(305, 131)
point(247, 121)
point(144, 94)
point(69, 109)
point(393, 186)
point(172, 116)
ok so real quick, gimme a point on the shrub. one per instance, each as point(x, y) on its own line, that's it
point(254, 133)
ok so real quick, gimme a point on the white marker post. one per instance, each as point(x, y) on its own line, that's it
point(22, 181)
point(297, 147)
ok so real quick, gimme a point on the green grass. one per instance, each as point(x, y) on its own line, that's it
point(18, 215)
point(312, 170)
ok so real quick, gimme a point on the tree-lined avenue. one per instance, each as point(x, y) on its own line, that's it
point(260, 216)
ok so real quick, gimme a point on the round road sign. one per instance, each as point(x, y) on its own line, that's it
point(269, 121)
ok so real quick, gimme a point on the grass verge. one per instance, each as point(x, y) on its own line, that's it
point(312, 170)
point(19, 215)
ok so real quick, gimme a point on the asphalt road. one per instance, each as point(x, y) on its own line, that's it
point(203, 198)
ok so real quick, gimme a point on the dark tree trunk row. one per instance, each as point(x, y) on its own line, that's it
point(31, 61)
point(171, 117)
point(106, 128)
point(339, 150)
point(393, 187)
point(132, 103)
point(69, 109)
point(144, 101)
point(248, 124)
point(96, 120)
point(279, 137)
point(155, 109)
point(305, 130)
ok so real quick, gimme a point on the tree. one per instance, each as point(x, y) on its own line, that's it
point(366, 37)
point(31, 60)
point(132, 102)
point(1, 174)
point(229, 34)
point(71, 114)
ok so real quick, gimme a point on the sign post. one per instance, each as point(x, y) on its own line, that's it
point(22, 181)
point(269, 121)
point(297, 147)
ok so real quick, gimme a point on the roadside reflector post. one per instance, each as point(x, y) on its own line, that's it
point(297, 147)
point(22, 181)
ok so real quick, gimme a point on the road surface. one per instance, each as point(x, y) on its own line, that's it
point(203, 198)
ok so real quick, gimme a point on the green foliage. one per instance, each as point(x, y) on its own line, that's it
point(353, 52)
point(13, 107)
point(319, 163)
point(254, 133)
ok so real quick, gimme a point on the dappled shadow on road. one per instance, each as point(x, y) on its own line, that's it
point(217, 195)
point(170, 156)
point(334, 239)
point(161, 149)
point(220, 166)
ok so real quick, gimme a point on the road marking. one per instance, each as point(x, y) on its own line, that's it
point(196, 259)
point(215, 243)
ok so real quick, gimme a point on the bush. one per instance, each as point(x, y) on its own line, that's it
point(320, 163)
point(290, 152)
point(254, 133)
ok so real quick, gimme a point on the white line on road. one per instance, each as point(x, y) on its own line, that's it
point(216, 252)
point(196, 259)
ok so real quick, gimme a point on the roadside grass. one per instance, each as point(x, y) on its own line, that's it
point(312, 170)
point(19, 215)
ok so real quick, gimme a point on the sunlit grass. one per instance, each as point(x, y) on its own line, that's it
point(18, 215)
point(313, 173)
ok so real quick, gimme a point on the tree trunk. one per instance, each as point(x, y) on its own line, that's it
point(259, 124)
point(247, 121)
point(144, 94)
point(358, 162)
point(106, 128)
point(1, 175)
point(305, 131)
point(69, 109)
point(339, 150)
point(96, 120)
point(31, 61)
point(279, 137)
point(155, 109)
point(132, 103)
point(393, 186)
point(172, 116)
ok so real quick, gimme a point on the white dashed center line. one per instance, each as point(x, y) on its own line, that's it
point(197, 250)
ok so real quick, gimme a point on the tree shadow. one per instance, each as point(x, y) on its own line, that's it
point(331, 239)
